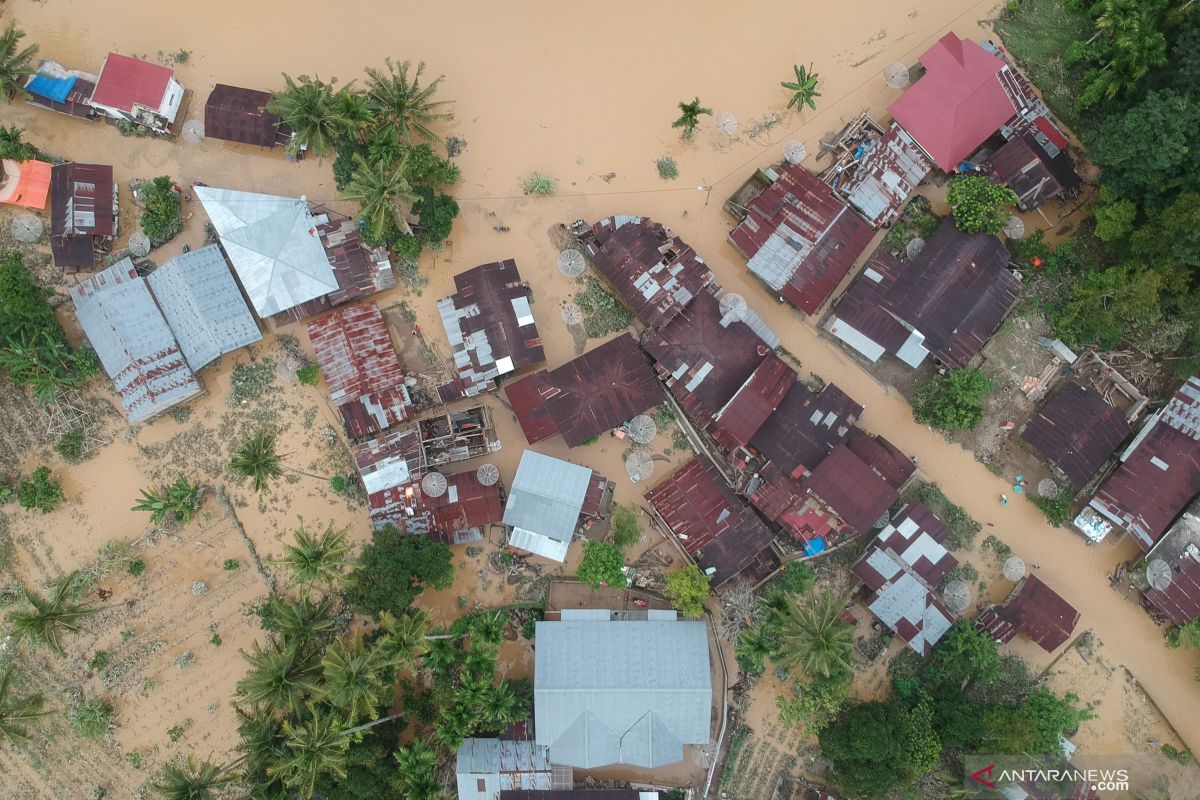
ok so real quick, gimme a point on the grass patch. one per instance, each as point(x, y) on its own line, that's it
point(963, 528)
point(536, 183)
point(70, 445)
point(668, 170)
point(250, 381)
point(308, 374)
point(1057, 510)
point(90, 720)
point(602, 313)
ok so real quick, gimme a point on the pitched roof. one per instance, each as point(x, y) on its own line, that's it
point(274, 246)
point(136, 347)
point(490, 325)
point(884, 458)
point(457, 516)
point(1179, 548)
point(358, 271)
point(359, 362)
point(203, 306)
point(712, 523)
point(527, 397)
point(1032, 173)
point(958, 103)
point(805, 427)
point(621, 692)
point(886, 176)
point(800, 238)
point(1033, 609)
point(655, 272)
point(918, 537)
point(126, 82)
point(757, 399)
point(544, 503)
point(851, 488)
point(487, 767)
point(83, 204)
point(1077, 431)
point(387, 463)
point(26, 183)
point(901, 598)
point(235, 114)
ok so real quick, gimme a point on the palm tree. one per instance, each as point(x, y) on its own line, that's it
point(14, 146)
point(316, 559)
point(354, 109)
point(192, 780)
point(355, 681)
point(689, 117)
point(15, 63)
point(299, 621)
point(256, 459)
point(502, 707)
point(282, 678)
point(313, 748)
point(404, 102)
point(815, 636)
point(378, 187)
point(480, 660)
point(443, 653)
point(403, 640)
point(416, 771)
point(177, 500)
point(46, 621)
point(309, 106)
point(753, 647)
point(17, 712)
point(803, 89)
point(489, 628)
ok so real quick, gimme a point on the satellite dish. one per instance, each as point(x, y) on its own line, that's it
point(434, 484)
point(193, 131)
point(733, 305)
point(26, 228)
point(488, 474)
point(1158, 574)
point(727, 123)
point(1047, 488)
point(795, 152)
point(896, 75)
point(915, 246)
point(883, 520)
point(642, 429)
point(1014, 568)
point(571, 263)
point(957, 596)
point(572, 314)
point(1015, 227)
point(639, 466)
point(139, 245)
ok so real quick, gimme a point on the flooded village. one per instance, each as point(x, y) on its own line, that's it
point(449, 405)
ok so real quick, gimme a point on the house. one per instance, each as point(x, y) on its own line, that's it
point(1158, 476)
point(753, 404)
point(655, 272)
point(805, 427)
point(1077, 431)
point(548, 500)
point(138, 92)
point(25, 183)
point(1034, 609)
point(358, 270)
point(458, 515)
point(234, 114)
point(883, 176)
point(614, 690)
point(1179, 553)
point(965, 95)
point(946, 302)
point(901, 569)
point(67, 91)
point(84, 213)
point(491, 329)
point(799, 238)
point(486, 767)
point(1033, 174)
point(135, 345)
point(365, 376)
point(725, 537)
point(591, 395)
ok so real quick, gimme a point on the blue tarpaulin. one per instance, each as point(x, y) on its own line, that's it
point(814, 546)
point(51, 88)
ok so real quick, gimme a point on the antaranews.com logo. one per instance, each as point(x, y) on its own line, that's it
point(1053, 779)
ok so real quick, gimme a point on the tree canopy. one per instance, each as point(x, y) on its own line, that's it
point(601, 565)
point(687, 589)
point(979, 205)
point(953, 401)
point(393, 569)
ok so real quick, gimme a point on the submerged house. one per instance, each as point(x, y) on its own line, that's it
point(485, 768)
point(548, 501)
point(1077, 430)
point(1034, 609)
point(234, 114)
point(882, 174)
point(25, 183)
point(84, 213)
point(799, 237)
point(946, 302)
point(489, 322)
point(613, 690)
point(1175, 588)
point(67, 91)
point(1035, 168)
point(138, 92)
point(805, 427)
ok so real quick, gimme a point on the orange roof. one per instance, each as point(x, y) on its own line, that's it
point(26, 183)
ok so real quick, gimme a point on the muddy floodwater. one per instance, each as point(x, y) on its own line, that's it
point(585, 92)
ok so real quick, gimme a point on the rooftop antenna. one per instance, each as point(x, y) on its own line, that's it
point(488, 474)
point(1158, 574)
point(434, 484)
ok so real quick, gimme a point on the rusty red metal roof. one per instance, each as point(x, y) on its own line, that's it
point(126, 82)
point(527, 397)
point(758, 398)
point(805, 427)
point(1032, 173)
point(800, 238)
point(360, 365)
point(235, 114)
point(655, 272)
point(712, 523)
point(83, 205)
point(1180, 601)
point(848, 485)
point(1033, 609)
point(458, 516)
point(883, 457)
point(1077, 431)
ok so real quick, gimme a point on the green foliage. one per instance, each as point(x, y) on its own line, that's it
point(1187, 636)
point(370, 770)
point(309, 374)
point(16, 62)
point(1149, 176)
point(191, 780)
point(625, 530)
point(436, 213)
point(40, 491)
point(803, 89)
point(178, 501)
point(687, 588)
point(338, 484)
point(812, 707)
point(753, 647)
point(90, 718)
point(13, 145)
point(689, 118)
point(70, 445)
point(602, 313)
point(668, 170)
point(257, 460)
point(953, 401)
point(963, 529)
point(162, 215)
point(231, 564)
point(1177, 755)
point(999, 548)
point(426, 168)
point(963, 571)
point(813, 636)
point(537, 184)
point(601, 565)
point(310, 107)
point(877, 747)
point(98, 661)
point(393, 569)
point(1057, 509)
point(796, 578)
point(250, 381)
point(136, 567)
point(16, 712)
point(397, 97)
point(1115, 216)
point(1106, 306)
point(317, 558)
point(379, 187)
point(978, 205)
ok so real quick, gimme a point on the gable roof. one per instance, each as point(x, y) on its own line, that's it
point(805, 427)
point(886, 176)
point(1034, 609)
point(360, 365)
point(544, 504)
point(1077, 431)
point(203, 306)
point(358, 271)
point(918, 537)
point(273, 244)
point(1032, 173)
point(800, 238)
point(902, 599)
point(26, 183)
point(757, 399)
point(136, 347)
point(655, 272)
point(235, 114)
point(628, 692)
point(487, 767)
point(1180, 549)
point(848, 485)
point(125, 82)
point(527, 397)
point(83, 204)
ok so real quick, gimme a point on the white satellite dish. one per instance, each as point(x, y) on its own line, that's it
point(572, 314)
point(733, 305)
point(957, 596)
point(642, 429)
point(571, 263)
point(1047, 488)
point(139, 245)
point(1158, 574)
point(727, 123)
point(639, 466)
point(26, 228)
point(914, 248)
point(1014, 568)
point(488, 474)
point(1015, 227)
point(896, 75)
point(795, 152)
point(434, 484)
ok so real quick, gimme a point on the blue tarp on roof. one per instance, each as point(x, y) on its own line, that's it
point(814, 546)
point(51, 88)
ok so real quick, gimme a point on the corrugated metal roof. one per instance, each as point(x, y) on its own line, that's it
point(886, 176)
point(1032, 173)
point(901, 599)
point(1033, 609)
point(203, 306)
point(1180, 549)
point(916, 535)
point(358, 271)
point(83, 204)
point(235, 114)
point(849, 486)
point(1077, 431)
point(126, 82)
point(502, 765)
point(546, 497)
point(805, 427)
point(757, 399)
point(630, 692)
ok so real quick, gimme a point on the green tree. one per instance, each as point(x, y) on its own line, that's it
point(355, 679)
point(378, 188)
point(426, 168)
point(753, 647)
point(435, 212)
point(625, 530)
point(1114, 216)
point(398, 98)
point(796, 577)
point(318, 558)
point(1054, 716)
point(978, 205)
point(1172, 235)
point(953, 401)
point(1105, 305)
point(1151, 176)
point(312, 748)
point(41, 491)
point(393, 569)
point(370, 770)
point(687, 589)
point(416, 771)
point(803, 89)
point(16, 713)
point(1187, 636)
point(283, 678)
point(13, 146)
point(49, 617)
point(16, 63)
point(1136, 44)
point(356, 112)
point(601, 565)
point(813, 706)
point(257, 460)
point(309, 106)
point(177, 500)
point(964, 657)
point(162, 215)
point(863, 744)
point(192, 780)
point(300, 620)
point(689, 118)
point(814, 636)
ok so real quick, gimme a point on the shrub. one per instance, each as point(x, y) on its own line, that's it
point(308, 374)
point(162, 218)
point(70, 445)
point(231, 564)
point(40, 491)
point(338, 484)
point(953, 401)
point(602, 313)
point(1057, 509)
point(137, 567)
point(425, 168)
point(392, 570)
point(1175, 754)
point(538, 184)
point(601, 565)
point(978, 205)
point(436, 213)
point(797, 578)
point(625, 530)
point(1186, 636)
point(668, 170)
point(963, 529)
point(98, 661)
point(90, 719)
point(687, 589)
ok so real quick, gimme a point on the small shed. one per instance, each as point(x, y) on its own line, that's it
point(1034, 609)
point(884, 175)
point(544, 505)
point(234, 114)
point(486, 767)
point(66, 91)
point(25, 183)
point(1033, 174)
point(83, 213)
point(1077, 431)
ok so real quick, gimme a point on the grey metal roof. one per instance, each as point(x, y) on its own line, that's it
point(547, 496)
point(506, 765)
point(203, 306)
point(630, 692)
point(274, 246)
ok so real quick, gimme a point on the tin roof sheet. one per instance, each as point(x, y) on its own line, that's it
point(1077, 431)
point(126, 82)
point(1035, 610)
point(805, 427)
point(547, 496)
point(83, 204)
point(886, 176)
point(235, 114)
point(848, 485)
point(757, 399)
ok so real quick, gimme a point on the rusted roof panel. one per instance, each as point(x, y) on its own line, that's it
point(358, 271)
point(527, 397)
point(805, 427)
point(235, 114)
point(918, 537)
point(1035, 610)
point(901, 598)
point(883, 457)
point(886, 176)
point(457, 516)
point(1077, 431)
point(849, 486)
point(740, 419)
point(83, 204)
point(1032, 173)
point(1180, 601)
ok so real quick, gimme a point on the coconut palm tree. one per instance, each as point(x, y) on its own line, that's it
point(17, 712)
point(753, 647)
point(355, 679)
point(313, 748)
point(48, 618)
point(192, 780)
point(299, 621)
point(257, 460)
point(355, 111)
point(378, 187)
point(689, 117)
point(502, 707)
point(416, 771)
point(316, 559)
point(282, 678)
point(402, 101)
point(403, 640)
point(309, 106)
point(177, 500)
point(488, 628)
point(16, 64)
point(455, 725)
point(815, 636)
point(803, 89)
point(443, 653)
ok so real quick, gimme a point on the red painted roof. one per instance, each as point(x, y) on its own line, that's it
point(750, 407)
point(958, 103)
point(1035, 610)
point(126, 81)
point(26, 183)
point(1051, 132)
